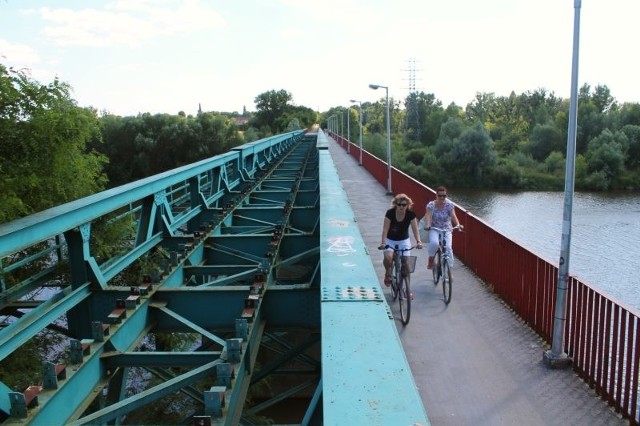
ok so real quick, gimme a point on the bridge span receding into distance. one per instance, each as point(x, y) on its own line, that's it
point(245, 288)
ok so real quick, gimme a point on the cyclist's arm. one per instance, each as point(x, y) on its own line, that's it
point(385, 230)
point(416, 231)
point(428, 216)
point(455, 220)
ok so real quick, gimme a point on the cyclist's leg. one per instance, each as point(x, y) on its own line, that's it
point(449, 240)
point(432, 248)
point(387, 261)
point(406, 244)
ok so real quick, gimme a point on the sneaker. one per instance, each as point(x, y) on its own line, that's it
point(430, 264)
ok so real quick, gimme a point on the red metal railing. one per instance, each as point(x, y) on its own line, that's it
point(602, 335)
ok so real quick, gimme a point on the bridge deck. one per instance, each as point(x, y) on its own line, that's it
point(473, 361)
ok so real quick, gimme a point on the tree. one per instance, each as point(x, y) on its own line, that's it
point(630, 114)
point(148, 144)
point(544, 140)
point(44, 138)
point(555, 164)
point(467, 151)
point(474, 152)
point(423, 117)
point(270, 106)
point(605, 159)
point(603, 100)
point(633, 153)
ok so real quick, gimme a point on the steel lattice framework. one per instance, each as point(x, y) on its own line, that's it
point(220, 233)
point(226, 296)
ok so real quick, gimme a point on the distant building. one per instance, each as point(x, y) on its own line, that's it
point(241, 121)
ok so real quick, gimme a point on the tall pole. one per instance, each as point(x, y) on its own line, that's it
point(348, 133)
point(557, 357)
point(388, 145)
point(386, 88)
point(360, 136)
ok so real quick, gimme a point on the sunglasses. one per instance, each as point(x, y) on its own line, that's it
point(442, 195)
point(401, 205)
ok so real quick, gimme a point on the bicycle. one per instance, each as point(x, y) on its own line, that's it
point(441, 265)
point(401, 280)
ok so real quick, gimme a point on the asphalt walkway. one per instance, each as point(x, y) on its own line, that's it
point(474, 361)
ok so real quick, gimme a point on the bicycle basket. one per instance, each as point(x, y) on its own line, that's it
point(411, 263)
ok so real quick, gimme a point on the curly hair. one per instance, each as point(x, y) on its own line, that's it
point(402, 197)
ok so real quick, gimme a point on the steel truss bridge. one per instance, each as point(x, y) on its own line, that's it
point(236, 290)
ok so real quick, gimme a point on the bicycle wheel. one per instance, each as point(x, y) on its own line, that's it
point(436, 268)
point(394, 282)
point(404, 300)
point(446, 282)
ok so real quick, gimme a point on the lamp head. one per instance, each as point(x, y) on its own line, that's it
point(374, 86)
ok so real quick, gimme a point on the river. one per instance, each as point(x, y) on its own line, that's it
point(605, 236)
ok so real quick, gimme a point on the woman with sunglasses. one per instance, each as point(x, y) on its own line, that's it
point(440, 213)
point(395, 231)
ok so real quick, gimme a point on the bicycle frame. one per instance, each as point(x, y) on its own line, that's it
point(442, 263)
point(442, 241)
point(401, 281)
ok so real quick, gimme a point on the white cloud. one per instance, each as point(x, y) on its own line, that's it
point(15, 53)
point(130, 23)
point(167, 55)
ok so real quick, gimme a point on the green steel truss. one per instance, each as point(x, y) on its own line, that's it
point(227, 296)
point(210, 300)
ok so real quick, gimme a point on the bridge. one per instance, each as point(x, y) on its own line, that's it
point(243, 289)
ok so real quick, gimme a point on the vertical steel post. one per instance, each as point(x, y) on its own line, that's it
point(388, 146)
point(348, 134)
point(557, 357)
point(360, 136)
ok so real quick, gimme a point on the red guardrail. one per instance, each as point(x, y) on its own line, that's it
point(601, 333)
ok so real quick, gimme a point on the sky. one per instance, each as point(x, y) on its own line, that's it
point(166, 56)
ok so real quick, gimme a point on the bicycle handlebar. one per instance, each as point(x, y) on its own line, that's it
point(396, 249)
point(457, 227)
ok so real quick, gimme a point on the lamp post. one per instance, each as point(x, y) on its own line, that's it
point(331, 123)
point(556, 357)
point(348, 132)
point(360, 137)
point(386, 88)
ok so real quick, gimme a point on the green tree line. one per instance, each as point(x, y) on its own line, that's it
point(53, 151)
point(513, 142)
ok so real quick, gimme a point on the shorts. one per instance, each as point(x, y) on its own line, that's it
point(402, 244)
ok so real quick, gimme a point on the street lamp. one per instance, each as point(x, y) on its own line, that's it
point(360, 138)
point(376, 87)
point(331, 123)
point(348, 132)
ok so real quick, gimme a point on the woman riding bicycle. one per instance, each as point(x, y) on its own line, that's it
point(395, 231)
point(440, 213)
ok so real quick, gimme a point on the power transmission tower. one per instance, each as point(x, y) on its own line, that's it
point(412, 122)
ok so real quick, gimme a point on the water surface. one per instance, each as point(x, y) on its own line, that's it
point(605, 237)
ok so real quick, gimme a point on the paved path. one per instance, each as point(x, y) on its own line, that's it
point(474, 361)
